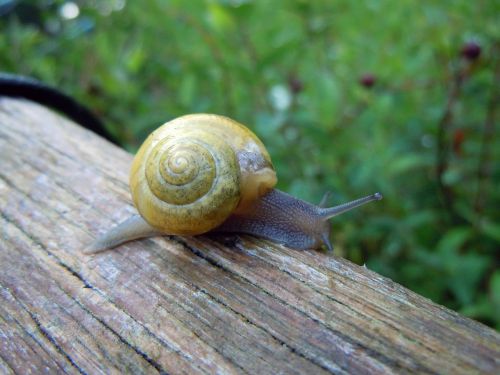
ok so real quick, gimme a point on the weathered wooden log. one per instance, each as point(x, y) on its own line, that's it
point(186, 305)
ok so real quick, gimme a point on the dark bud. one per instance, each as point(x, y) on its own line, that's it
point(367, 80)
point(471, 51)
point(295, 84)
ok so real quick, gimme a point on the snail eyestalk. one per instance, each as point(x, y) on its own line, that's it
point(330, 212)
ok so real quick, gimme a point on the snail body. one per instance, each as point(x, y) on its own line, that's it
point(207, 173)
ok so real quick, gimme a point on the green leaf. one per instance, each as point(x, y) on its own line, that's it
point(405, 163)
point(452, 240)
point(491, 229)
point(220, 19)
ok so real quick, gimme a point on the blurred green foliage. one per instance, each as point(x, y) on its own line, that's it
point(354, 97)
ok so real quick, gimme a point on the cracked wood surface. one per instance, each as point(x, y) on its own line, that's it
point(186, 305)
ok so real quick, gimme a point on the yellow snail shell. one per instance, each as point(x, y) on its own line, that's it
point(194, 171)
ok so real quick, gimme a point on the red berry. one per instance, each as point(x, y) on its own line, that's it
point(368, 80)
point(471, 50)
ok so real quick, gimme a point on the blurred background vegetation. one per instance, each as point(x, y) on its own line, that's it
point(353, 97)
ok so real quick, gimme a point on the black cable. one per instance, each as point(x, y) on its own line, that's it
point(13, 85)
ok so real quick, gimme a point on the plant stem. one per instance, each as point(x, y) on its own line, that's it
point(442, 150)
point(484, 161)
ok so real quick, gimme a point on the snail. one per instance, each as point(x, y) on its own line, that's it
point(204, 173)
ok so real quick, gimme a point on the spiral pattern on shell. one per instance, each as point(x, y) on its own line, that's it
point(182, 171)
point(189, 182)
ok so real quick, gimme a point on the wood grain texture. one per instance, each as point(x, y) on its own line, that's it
point(186, 305)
